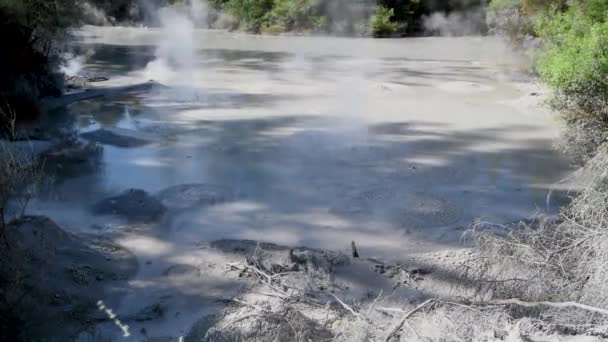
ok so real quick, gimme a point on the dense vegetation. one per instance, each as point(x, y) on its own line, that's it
point(573, 60)
point(342, 17)
point(32, 31)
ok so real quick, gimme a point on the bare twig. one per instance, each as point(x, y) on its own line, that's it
point(348, 308)
point(515, 301)
point(371, 307)
point(390, 310)
point(405, 317)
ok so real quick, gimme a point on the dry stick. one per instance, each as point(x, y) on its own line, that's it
point(259, 273)
point(412, 329)
point(515, 301)
point(345, 306)
point(373, 304)
point(390, 310)
point(405, 317)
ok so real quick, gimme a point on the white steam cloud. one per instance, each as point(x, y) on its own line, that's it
point(175, 53)
point(459, 23)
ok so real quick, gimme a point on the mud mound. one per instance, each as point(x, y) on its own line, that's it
point(72, 158)
point(136, 205)
point(244, 324)
point(118, 137)
point(186, 196)
point(50, 280)
point(422, 210)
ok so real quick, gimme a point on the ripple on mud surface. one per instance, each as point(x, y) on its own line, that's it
point(185, 196)
point(362, 203)
point(422, 210)
point(462, 87)
point(459, 171)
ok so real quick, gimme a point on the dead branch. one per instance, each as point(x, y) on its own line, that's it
point(344, 305)
point(371, 307)
point(390, 310)
point(270, 281)
point(515, 301)
point(405, 317)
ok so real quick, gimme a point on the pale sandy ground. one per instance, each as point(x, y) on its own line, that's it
point(398, 145)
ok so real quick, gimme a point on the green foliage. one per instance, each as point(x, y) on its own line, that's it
point(32, 31)
point(275, 16)
point(294, 15)
point(45, 18)
point(381, 17)
point(574, 62)
point(496, 6)
point(575, 57)
point(380, 23)
point(408, 12)
point(251, 13)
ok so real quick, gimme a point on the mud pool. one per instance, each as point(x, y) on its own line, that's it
point(398, 145)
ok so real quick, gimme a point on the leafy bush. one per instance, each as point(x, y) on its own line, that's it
point(574, 61)
point(294, 15)
point(578, 60)
point(32, 31)
point(252, 14)
point(381, 24)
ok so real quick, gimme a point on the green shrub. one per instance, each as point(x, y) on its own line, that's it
point(574, 62)
point(380, 23)
point(575, 57)
point(577, 60)
point(252, 14)
point(295, 15)
point(32, 30)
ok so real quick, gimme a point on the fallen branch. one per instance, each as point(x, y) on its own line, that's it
point(405, 317)
point(348, 308)
point(371, 307)
point(515, 301)
point(390, 310)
